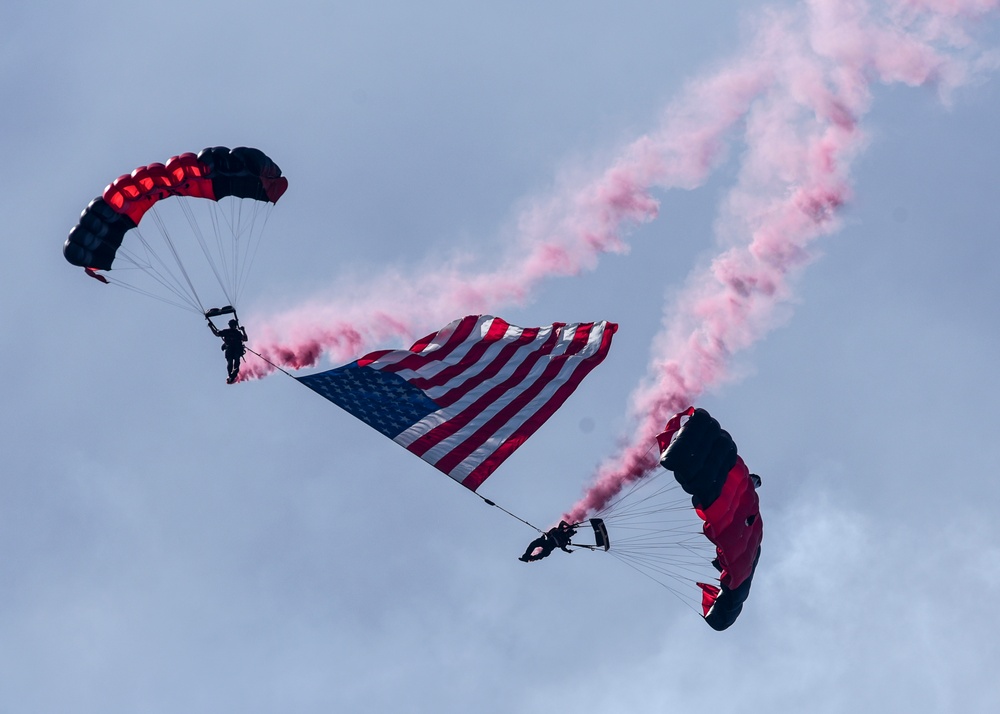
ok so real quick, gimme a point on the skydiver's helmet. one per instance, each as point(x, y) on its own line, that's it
point(234, 324)
point(756, 480)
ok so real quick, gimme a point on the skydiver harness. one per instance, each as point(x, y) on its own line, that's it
point(232, 341)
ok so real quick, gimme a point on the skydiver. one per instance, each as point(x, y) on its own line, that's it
point(557, 537)
point(233, 339)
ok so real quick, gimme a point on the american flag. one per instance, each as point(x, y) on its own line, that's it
point(465, 397)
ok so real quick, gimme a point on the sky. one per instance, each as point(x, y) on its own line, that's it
point(172, 543)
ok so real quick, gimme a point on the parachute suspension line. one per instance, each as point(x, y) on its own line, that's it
point(245, 241)
point(231, 232)
point(656, 533)
point(683, 581)
point(238, 211)
point(634, 485)
point(253, 244)
point(230, 259)
point(659, 503)
point(270, 363)
point(172, 285)
point(644, 529)
point(238, 255)
point(663, 558)
point(224, 283)
point(188, 302)
point(638, 501)
point(226, 246)
point(215, 214)
point(488, 502)
point(173, 249)
point(680, 586)
point(164, 231)
point(231, 212)
point(676, 592)
point(186, 305)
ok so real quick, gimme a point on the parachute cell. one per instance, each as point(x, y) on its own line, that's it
point(693, 527)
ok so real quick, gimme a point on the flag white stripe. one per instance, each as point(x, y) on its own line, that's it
point(513, 392)
point(492, 441)
point(441, 338)
point(509, 428)
point(434, 368)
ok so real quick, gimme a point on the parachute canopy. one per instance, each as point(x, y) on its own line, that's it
point(705, 556)
point(466, 397)
point(98, 242)
point(704, 461)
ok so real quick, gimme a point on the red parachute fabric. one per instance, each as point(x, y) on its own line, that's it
point(214, 173)
point(733, 523)
point(705, 463)
point(133, 194)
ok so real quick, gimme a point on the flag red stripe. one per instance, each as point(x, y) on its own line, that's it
point(481, 472)
point(497, 330)
point(372, 357)
point(481, 435)
point(475, 380)
point(466, 323)
point(443, 431)
point(415, 361)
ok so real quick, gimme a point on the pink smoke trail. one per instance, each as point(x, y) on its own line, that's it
point(802, 134)
point(562, 236)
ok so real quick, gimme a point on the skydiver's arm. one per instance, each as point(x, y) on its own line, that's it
point(243, 331)
point(212, 328)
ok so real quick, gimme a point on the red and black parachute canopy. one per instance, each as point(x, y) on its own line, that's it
point(213, 174)
point(705, 463)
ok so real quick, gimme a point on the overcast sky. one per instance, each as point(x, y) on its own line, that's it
point(169, 543)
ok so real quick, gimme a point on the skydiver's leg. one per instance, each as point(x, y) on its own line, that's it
point(545, 552)
point(530, 550)
point(544, 547)
point(232, 367)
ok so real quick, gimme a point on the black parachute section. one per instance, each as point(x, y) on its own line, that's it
point(113, 242)
point(694, 526)
point(704, 460)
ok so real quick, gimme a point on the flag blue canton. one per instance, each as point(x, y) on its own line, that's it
point(383, 400)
